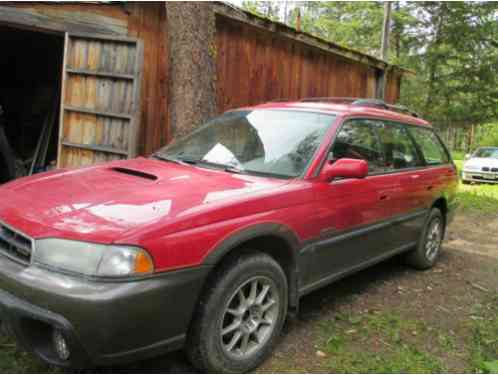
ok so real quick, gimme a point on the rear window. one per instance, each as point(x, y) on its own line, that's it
point(399, 150)
point(430, 145)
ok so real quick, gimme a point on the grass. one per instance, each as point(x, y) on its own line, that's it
point(478, 198)
point(387, 342)
point(484, 346)
point(13, 360)
point(390, 339)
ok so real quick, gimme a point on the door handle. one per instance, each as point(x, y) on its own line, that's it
point(384, 197)
point(430, 187)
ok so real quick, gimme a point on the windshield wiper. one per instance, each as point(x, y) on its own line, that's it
point(232, 169)
point(168, 158)
point(184, 161)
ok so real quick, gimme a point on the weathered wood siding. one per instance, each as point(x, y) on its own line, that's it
point(100, 105)
point(145, 21)
point(256, 65)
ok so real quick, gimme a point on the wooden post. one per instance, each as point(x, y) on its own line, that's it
point(298, 19)
point(192, 65)
point(384, 49)
point(384, 46)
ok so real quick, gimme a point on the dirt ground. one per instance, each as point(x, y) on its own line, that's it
point(389, 318)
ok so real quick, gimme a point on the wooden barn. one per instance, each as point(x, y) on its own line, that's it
point(88, 82)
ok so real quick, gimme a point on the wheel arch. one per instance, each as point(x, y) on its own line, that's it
point(275, 240)
point(442, 204)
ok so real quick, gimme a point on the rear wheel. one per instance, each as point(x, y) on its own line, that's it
point(240, 316)
point(429, 245)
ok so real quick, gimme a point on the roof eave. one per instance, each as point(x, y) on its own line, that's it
point(284, 30)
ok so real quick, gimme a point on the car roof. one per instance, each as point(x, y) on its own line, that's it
point(347, 109)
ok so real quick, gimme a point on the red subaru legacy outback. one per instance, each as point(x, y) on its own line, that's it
point(211, 241)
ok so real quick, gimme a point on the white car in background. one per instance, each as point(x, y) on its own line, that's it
point(481, 166)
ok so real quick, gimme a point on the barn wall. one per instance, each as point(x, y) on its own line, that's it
point(256, 65)
point(145, 21)
point(393, 87)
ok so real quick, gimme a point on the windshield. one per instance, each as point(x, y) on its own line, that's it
point(273, 142)
point(487, 153)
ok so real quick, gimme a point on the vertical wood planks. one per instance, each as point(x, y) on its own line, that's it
point(256, 65)
point(100, 107)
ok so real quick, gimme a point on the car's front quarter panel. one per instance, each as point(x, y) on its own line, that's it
point(191, 239)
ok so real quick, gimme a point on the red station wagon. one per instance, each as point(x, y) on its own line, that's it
point(210, 242)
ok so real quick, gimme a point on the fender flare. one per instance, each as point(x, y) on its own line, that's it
point(254, 232)
point(251, 233)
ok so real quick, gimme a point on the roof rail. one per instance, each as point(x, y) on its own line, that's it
point(379, 103)
point(364, 102)
point(330, 99)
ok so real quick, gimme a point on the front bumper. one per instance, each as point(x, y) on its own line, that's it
point(103, 322)
point(477, 176)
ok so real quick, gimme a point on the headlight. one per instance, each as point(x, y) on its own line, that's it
point(92, 259)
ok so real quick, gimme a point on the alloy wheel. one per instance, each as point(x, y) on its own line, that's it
point(433, 239)
point(250, 317)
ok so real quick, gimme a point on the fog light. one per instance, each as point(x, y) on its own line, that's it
point(60, 344)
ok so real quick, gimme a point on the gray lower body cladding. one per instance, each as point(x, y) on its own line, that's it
point(104, 322)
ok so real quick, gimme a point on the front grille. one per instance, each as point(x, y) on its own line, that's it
point(15, 245)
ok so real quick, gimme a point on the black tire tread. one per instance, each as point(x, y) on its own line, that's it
point(416, 258)
point(197, 341)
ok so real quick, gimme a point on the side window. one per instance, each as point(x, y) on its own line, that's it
point(430, 146)
point(399, 149)
point(358, 140)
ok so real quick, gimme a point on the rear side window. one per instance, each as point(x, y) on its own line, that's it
point(430, 145)
point(358, 140)
point(399, 150)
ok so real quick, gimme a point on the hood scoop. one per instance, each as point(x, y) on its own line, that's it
point(135, 173)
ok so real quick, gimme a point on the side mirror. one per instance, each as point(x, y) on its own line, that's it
point(467, 156)
point(345, 168)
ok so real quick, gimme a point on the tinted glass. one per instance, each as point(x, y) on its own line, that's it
point(358, 140)
point(488, 152)
point(280, 143)
point(399, 149)
point(429, 144)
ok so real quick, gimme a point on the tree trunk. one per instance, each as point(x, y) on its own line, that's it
point(192, 64)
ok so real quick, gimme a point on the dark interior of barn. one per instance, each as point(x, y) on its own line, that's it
point(30, 81)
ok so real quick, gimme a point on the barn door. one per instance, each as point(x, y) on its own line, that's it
point(100, 109)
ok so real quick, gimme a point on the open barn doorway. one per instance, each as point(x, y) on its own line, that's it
point(30, 89)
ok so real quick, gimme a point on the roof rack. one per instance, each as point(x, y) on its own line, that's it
point(364, 102)
point(331, 99)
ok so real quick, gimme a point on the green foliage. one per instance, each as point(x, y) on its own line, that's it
point(489, 136)
point(484, 354)
point(480, 198)
point(395, 355)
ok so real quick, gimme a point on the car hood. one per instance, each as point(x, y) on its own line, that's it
point(481, 162)
point(103, 203)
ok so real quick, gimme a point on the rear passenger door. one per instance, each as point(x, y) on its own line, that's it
point(438, 171)
point(405, 166)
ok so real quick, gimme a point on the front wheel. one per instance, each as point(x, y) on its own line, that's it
point(424, 256)
point(240, 316)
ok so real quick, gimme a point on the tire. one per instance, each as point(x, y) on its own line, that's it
point(466, 182)
point(428, 247)
point(208, 348)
